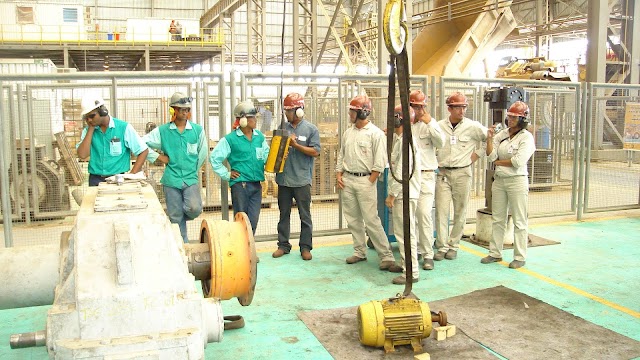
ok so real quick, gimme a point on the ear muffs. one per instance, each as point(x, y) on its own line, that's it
point(362, 114)
point(300, 113)
point(172, 113)
point(523, 122)
point(102, 111)
point(243, 122)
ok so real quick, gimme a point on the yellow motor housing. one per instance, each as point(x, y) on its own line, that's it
point(395, 321)
point(278, 152)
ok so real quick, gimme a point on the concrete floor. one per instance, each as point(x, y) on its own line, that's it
point(593, 274)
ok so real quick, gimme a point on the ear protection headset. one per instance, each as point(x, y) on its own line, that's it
point(363, 114)
point(102, 110)
point(172, 112)
point(523, 122)
point(243, 121)
point(300, 112)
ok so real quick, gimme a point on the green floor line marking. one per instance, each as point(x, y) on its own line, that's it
point(571, 288)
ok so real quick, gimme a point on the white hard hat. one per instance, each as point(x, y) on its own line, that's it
point(245, 109)
point(91, 102)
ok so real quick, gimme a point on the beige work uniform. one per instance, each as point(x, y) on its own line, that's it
point(510, 191)
point(361, 152)
point(454, 178)
point(395, 189)
point(428, 138)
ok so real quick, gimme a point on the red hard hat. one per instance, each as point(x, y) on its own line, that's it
point(397, 111)
point(417, 97)
point(360, 102)
point(518, 108)
point(293, 101)
point(457, 99)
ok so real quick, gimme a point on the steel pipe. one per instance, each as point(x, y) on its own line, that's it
point(25, 340)
point(29, 275)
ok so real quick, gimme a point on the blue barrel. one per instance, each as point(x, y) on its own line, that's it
point(109, 36)
point(543, 138)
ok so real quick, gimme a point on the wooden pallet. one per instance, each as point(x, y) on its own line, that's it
point(68, 160)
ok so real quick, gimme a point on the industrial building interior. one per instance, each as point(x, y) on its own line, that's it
point(223, 296)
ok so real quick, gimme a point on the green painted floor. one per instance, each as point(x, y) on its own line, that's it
point(594, 274)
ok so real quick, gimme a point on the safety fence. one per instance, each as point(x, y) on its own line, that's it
point(42, 181)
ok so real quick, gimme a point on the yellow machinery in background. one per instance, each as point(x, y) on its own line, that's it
point(278, 152)
point(537, 68)
point(454, 36)
point(402, 319)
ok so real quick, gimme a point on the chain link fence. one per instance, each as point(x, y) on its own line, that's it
point(42, 180)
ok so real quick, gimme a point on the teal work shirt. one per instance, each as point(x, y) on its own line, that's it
point(187, 151)
point(111, 151)
point(244, 156)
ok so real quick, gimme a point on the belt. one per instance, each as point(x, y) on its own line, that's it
point(454, 168)
point(358, 174)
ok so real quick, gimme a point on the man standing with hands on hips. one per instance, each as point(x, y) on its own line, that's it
point(108, 141)
point(462, 147)
point(361, 159)
point(246, 151)
point(294, 182)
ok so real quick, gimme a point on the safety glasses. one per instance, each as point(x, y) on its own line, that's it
point(184, 100)
point(183, 110)
point(458, 106)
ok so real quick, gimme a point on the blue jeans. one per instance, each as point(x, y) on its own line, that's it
point(94, 180)
point(303, 200)
point(246, 197)
point(182, 205)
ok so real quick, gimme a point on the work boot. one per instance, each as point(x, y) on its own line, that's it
point(385, 265)
point(402, 279)
point(395, 268)
point(428, 264)
point(354, 259)
point(490, 259)
point(516, 264)
point(451, 254)
point(439, 256)
point(306, 255)
point(278, 253)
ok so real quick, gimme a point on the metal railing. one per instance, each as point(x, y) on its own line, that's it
point(79, 35)
point(580, 168)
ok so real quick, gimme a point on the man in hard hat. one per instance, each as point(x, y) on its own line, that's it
point(108, 141)
point(361, 159)
point(395, 198)
point(429, 137)
point(294, 182)
point(463, 145)
point(184, 149)
point(246, 150)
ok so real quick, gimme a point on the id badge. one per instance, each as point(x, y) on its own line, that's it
point(302, 138)
point(454, 140)
point(510, 150)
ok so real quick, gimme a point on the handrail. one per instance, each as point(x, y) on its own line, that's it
point(74, 34)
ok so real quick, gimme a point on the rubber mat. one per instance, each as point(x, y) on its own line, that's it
point(509, 323)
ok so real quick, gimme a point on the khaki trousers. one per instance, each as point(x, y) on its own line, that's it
point(398, 232)
point(423, 214)
point(451, 186)
point(360, 208)
point(510, 195)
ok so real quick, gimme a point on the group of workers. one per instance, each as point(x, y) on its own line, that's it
point(441, 171)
